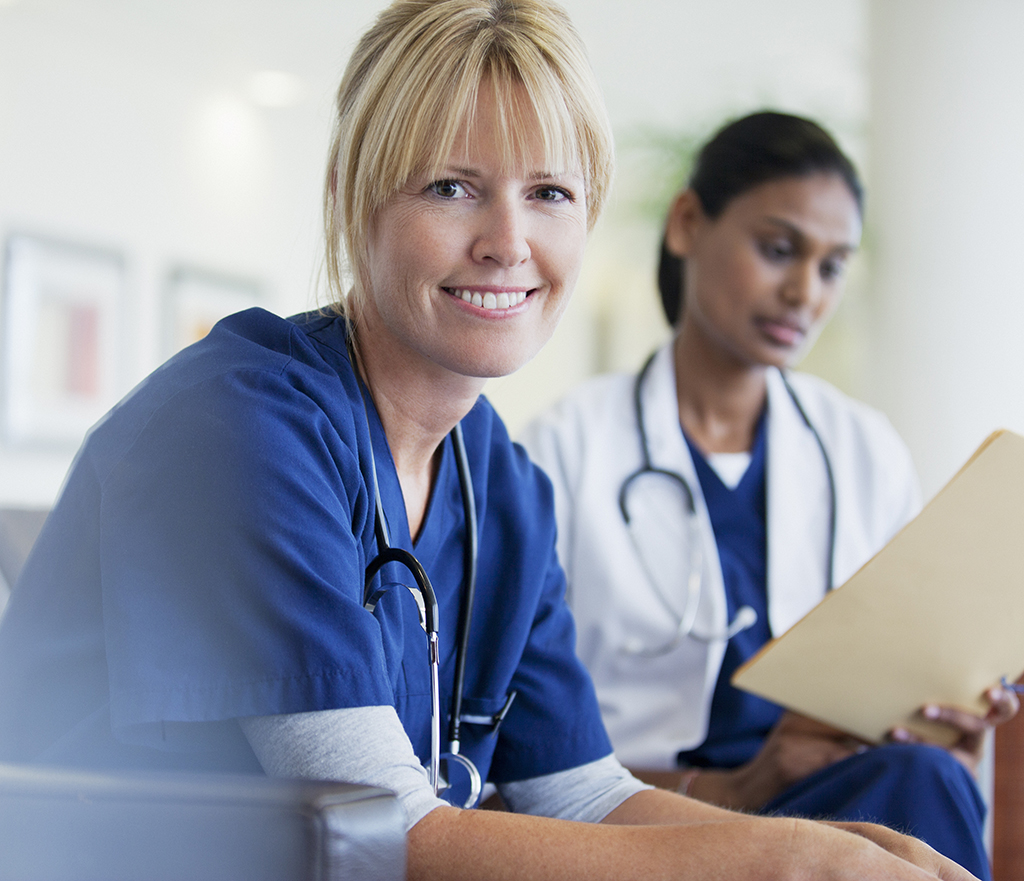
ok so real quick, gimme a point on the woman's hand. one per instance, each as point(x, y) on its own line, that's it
point(968, 748)
point(911, 850)
point(795, 748)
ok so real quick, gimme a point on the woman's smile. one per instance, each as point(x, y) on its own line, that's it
point(490, 299)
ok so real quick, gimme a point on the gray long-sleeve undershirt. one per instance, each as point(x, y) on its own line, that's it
point(369, 745)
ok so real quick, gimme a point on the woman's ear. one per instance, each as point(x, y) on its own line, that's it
point(684, 218)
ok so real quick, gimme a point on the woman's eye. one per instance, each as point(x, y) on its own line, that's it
point(832, 269)
point(553, 194)
point(447, 189)
point(776, 251)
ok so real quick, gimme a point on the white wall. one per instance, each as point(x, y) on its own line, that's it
point(129, 124)
point(947, 140)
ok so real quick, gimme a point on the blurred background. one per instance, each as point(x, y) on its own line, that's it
point(161, 165)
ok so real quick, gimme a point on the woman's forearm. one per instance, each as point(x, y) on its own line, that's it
point(680, 838)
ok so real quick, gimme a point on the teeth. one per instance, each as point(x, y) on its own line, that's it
point(491, 300)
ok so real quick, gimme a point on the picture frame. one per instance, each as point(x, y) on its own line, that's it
point(196, 299)
point(59, 339)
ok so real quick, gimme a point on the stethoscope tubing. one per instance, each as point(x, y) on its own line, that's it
point(388, 554)
point(430, 616)
point(470, 554)
point(745, 616)
point(829, 476)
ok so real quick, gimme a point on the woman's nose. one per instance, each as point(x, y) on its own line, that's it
point(802, 286)
point(502, 235)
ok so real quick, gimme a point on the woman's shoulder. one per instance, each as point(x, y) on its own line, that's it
point(254, 370)
point(848, 423)
point(257, 338)
point(252, 340)
point(506, 477)
point(830, 402)
point(490, 447)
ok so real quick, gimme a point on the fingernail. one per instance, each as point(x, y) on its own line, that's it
point(900, 734)
point(930, 712)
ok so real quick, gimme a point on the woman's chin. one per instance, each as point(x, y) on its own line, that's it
point(494, 361)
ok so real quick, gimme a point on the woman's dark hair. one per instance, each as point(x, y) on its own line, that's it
point(754, 150)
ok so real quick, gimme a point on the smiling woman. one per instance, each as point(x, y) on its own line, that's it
point(211, 590)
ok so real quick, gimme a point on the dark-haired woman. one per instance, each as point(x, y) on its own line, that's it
point(708, 503)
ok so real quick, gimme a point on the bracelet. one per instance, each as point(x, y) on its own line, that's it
point(686, 783)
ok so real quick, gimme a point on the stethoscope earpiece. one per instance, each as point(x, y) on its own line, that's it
point(745, 618)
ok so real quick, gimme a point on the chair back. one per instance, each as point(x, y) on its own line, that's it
point(64, 825)
point(19, 528)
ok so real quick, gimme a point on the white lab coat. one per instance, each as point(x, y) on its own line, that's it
point(656, 706)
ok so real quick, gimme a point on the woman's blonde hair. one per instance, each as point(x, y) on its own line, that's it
point(411, 83)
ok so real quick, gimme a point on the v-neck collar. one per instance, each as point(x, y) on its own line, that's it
point(755, 467)
point(437, 519)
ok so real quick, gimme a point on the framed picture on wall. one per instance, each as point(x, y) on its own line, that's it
point(196, 299)
point(59, 341)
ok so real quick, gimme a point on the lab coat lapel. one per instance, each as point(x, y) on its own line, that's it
point(799, 506)
point(670, 452)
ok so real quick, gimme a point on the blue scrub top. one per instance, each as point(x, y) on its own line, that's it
point(206, 559)
point(739, 721)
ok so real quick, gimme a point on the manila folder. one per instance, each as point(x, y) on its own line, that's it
point(936, 616)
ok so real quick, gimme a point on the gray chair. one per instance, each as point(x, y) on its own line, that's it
point(19, 528)
point(61, 825)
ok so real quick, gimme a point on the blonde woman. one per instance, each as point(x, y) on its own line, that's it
point(197, 597)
